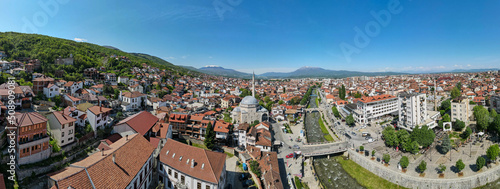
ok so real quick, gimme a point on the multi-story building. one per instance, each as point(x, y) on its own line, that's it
point(375, 107)
point(32, 139)
point(185, 166)
point(131, 100)
point(260, 136)
point(123, 163)
point(71, 87)
point(98, 117)
point(40, 82)
point(460, 110)
point(62, 128)
point(51, 91)
point(412, 109)
point(495, 102)
point(179, 121)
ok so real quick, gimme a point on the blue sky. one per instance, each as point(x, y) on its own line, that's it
point(279, 35)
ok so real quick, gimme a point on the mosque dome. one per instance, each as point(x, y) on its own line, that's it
point(249, 100)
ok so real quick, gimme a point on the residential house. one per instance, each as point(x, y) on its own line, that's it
point(98, 117)
point(62, 128)
point(32, 139)
point(185, 166)
point(125, 163)
point(132, 100)
point(51, 91)
point(41, 82)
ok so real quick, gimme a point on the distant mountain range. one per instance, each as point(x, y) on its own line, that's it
point(475, 70)
point(304, 72)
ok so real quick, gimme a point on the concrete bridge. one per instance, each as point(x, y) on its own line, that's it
point(311, 110)
point(320, 149)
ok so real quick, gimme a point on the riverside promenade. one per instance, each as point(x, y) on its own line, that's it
point(430, 180)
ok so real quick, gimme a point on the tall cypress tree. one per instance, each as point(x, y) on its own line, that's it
point(209, 136)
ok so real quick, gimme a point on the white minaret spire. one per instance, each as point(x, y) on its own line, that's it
point(253, 84)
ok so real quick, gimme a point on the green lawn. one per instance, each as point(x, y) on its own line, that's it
point(363, 176)
point(199, 145)
point(329, 138)
point(229, 154)
point(323, 127)
point(327, 135)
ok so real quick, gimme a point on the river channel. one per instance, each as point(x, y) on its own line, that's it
point(329, 171)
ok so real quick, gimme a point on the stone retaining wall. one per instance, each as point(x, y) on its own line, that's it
point(417, 182)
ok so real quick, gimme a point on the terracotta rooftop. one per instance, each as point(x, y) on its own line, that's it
point(62, 118)
point(98, 110)
point(134, 94)
point(28, 118)
point(130, 155)
point(208, 165)
point(141, 122)
point(376, 98)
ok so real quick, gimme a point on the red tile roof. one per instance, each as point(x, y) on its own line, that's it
point(28, 118)
point(98, 110)
point(63, 119)
point(141, 122)
point(208, 165)
point(130, 156)
point(376, 98)
point(222, 127)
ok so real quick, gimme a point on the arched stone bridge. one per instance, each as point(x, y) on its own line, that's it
point(311, 110)
point(319, 149)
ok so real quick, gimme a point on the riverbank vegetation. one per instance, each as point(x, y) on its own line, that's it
point(364, 177)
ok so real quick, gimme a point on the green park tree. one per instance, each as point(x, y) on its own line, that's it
point(459, 125)
point(349, 120)
point(445, 144)
point(446, 118)
point(423, 135)
point(209, 137)
point(492, 152)
point(460, 165)
point(335, 111)
point(390, 136)
point(386, 158)
point(442, 168)
point(404, 162)
point(466, 133)
point(422, 166)
point(482, 117)
point(480, 162)
point(455, 92)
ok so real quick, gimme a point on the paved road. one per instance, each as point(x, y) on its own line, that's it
point(233, 172)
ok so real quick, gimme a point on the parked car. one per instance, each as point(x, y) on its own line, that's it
point(296, 146)
point(243, 176)
point(248, 183)
point(289, 155)
point(217, 149)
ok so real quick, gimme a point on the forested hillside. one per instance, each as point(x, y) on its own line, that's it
point(86, 55)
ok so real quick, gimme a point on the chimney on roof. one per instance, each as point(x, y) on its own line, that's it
point(102, 150)
point(126, 137)
point(114, 155)
point(192, 163)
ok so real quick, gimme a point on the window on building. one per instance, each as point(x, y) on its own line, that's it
point(183, 179)
point(62, 141)
point(198, 185)
point(207, 187)
point(62, 134)
point(170, 172)
point(63, 126)
point(176, 175)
